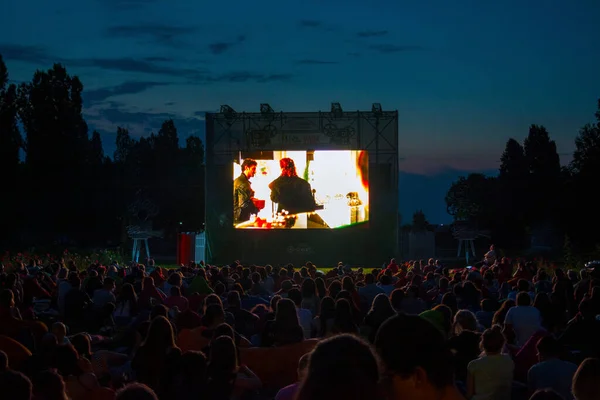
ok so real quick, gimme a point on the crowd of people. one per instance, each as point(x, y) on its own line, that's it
point(499, 330)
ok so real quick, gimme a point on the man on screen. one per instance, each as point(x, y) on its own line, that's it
point(243, 195)
point(291, 193)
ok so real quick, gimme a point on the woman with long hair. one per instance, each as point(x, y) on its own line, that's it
point(321, 288)
point(543, 304)
point(150, 295)
point(343, 321)
point(464, 342)
point(323, 323)
point(226, 378)
point(127, 305)
point(586, 382)
point(470, 297)
point(290, 192)
point(266, 337)
point(156, 357)
point(349, 286)
point(310, 299)
point(334, 288)
point(449, 300)
point(500, 315)
point(286, 328)
point(381, 309)
point(356, 314)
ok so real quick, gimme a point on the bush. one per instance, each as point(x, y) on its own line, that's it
point(82, 259)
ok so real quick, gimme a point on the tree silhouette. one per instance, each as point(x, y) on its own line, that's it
point(511, 197)
point(167, 137)
point(419, 221)
point(586, 157)
point(468, 198)
point(533, 190)
point(125, 146)
point(194, 151)
point(513, 163)
point(165, 149)
point(68, 191)
point(10, 145)
point(96, 150)
point(541, 154)
point(544, 177)
point(580, 201)
point(192, 198)
point(51, 114)
point(57, 149)
point(10, 137)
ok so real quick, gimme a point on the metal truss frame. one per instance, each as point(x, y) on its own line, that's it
point(377, 142)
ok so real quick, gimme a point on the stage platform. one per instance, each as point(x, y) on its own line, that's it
point(232, 137)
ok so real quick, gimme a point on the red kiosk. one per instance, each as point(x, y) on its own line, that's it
point(190, 247)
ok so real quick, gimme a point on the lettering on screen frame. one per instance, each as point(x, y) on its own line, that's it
point(270, 137)
point(303, 139)
point(300, 249)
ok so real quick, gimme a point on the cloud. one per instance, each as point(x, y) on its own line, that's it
point(247, 76)
point(367, 34)
point(120, 115)
point(310, 23)
point(157, 66)
point(157, 59)
point(433, 164)
point(150, 65)
point(96, 96)
point(392, 48)
point(26, 53)
point(138, 66)
point(315, 62)
point(275, 78)
point(141, 123)
point(156, 33)
point(122, 5)
point(221, 47)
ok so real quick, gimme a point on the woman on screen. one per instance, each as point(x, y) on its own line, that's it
point(291, 193)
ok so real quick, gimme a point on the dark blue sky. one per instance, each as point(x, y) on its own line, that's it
point(464, 75)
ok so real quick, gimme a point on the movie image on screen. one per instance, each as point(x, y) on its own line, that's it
point(301, 190)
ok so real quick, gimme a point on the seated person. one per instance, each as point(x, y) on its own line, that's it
point(291, 193)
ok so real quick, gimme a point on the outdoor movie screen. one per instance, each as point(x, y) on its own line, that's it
point(301, 190)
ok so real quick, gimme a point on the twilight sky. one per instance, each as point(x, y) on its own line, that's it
point(464, 75)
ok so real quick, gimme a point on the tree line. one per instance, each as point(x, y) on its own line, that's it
point(534, 195)
point(59, 187)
